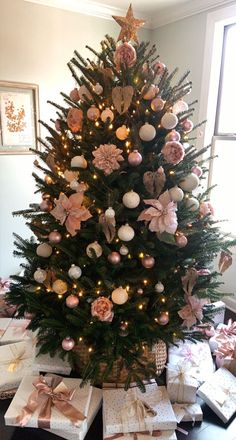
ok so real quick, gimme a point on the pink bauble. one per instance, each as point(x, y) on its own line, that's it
point(163, 318)
point(68, 344)
point(181, 240)
point(74, 95)
point(28, 315)
point(173, 135)
point(114, 258)
point(187, 125)
point(197, 170)
point(55, 237)
point(203, 272)
point(135, 158)
point(58, 125)
point(157, 104)
point(46, 206)
point(72, 301)
point(148, 262)
point(93, 113)
point(159, 68)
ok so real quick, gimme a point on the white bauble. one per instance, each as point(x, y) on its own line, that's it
point(107, 114)
point(159, 287)
point(176, 194)
point(60, 287)
point(131, 200)
point(110, 213)
point(74, 272)
point(192, 203)
point(74, 184)
point(179, 107)
point(125, 233)
point(84, 92)
point(94, 248)
point(78, 162)
point(40, 275)
point(124, 250)
point(98, 89)
point(169, 120)
point(119, 296)
point(147, 132)
point(44, 250)
point(122, 132)
point(190, 182)
point(150, 92)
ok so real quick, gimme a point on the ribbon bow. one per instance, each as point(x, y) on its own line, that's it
point(46, 396)
point(227, 349)
point(134, 435)
point(135, 409)
point(229, 329)
point(180, 373)
point(225, 394)
point(4, 284)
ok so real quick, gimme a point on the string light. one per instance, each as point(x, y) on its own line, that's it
point(117, 240)
point(127, 288)
point(171, 173)
point(99, 283)
point(127, 143)
point(38, 288)
point(57, 252)
point(90, 349)
point(81, 293)
point(141, 255)
point(140, 306)
point(98, 292)
point(95, 176)
point(80, 339)
point(75, 286)
point(145, 282)
point(67, 235)
point(129, 256)
point(96, 124)
point(163, 300)
point(59, 296)
point(110, 127)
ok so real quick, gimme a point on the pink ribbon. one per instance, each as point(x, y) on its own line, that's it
point(229, 329)
point(227, 349)
point(135, 434)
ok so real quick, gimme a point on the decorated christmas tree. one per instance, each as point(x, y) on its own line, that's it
point(122, 251)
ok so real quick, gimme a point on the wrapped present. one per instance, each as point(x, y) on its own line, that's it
point(4, 285)
point(6, 310)
point(4, 323)
point(223, 333)
point(181, 383)
point(50, 402)
point(188, 412)
point(47, 364)
point(133, 411)
point(226, 355)
point(15, 361)
point(219, 392)
point(158, 435)
point(216, 311)
point(17, 331)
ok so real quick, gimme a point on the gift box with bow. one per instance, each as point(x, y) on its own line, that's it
point(4, 323)
point(132, 411)
point(158, 435)
point(50, 402)
point(47, 364)
point(219, 392)
point(17, 331)
point(187, 412)
point(181, 383)
point(226, 355)
point(15, 361)
point(223, 333)
point(216, 311)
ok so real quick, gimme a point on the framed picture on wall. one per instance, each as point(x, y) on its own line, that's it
point(18, 117)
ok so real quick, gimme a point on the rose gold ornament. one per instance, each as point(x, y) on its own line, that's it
point(68, 344)
point(98, 89)
point(159, 288)
point(93, 113)
point(148, 262)
point(157, 104)
point(135, 158)
point(72, 301)
point(55, 237)
point(149, 93)
point(181, 240)
point(106, 115)
point(74, 95)
point(60, 287)
point(119, 296)
point(46, 206)
point(173, 135)
point(197, 170)
point(122, 132)
point(187, 125)
point(114, 258)
point(163, 318)
point(44, 250)
point(159, 68)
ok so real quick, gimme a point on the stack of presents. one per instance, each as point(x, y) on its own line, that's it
point(58, 404)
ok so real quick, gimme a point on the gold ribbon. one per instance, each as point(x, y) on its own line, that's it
point(16, 361)
point(180, 374)
point(136, 409)
point(44, 397)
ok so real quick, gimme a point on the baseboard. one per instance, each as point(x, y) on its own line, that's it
point(230, 304)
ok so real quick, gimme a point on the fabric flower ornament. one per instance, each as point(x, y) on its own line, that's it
point(101, 308)
point(173, 152)
point(125, 54)
point(75, 119)
point(192, 312)
point(162, 215)
point(107, 158)
point(206, 208)
point(71, 212)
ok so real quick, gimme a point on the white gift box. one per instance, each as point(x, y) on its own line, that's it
point(115, 402)
point(188, 412)
point(58, 421)
point(162, 435)
point(47, 364)
point(217, 313)
point(219, 393)
point(4, 323)
point(17, 331)
point(181, 383)
point(15, 361)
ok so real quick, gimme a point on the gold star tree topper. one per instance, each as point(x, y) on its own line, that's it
point(129, 26)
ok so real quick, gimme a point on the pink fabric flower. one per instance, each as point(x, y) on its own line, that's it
point(107, 157)
point(192, 312)
point(71, 212)
point(125, 54)
point(75, 119)
point(173, 152)
point(206, 208)
point(162, 215)
point(227, 349)
point(102, 309)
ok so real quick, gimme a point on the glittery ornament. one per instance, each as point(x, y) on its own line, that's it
point(44, 250)
point(72, 301)
point(114, 258)
point(106, 115)
point(163, 318)
point(192, 203)
point(147, 132)
point(176, 194)
point(110, 213)
point(173, 135)
point(189, 183)
point(181, 240)
point(94, 250)
point(93, 113)
point(159, 288)
point(148, 262)
point(187, 125)
point(74, 95)
point(197, 170)
point(157, 104)
point(122, 132)
point(40, 275)
point(98, 89)
point(60, 287)
point(129, 26)
point(169, 120)
point(125, 233)
point(124, 250)
point(135, 158)
point(149, 93)
point(131, 199)
point(55, 237)
point(78, 162)
point(179, 107)
point(74, 272)
point(46, 205)
point(68, 344)
point(119, 296)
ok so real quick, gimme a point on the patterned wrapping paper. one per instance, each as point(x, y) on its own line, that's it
point(80, 400)
point(17, 331)
point(188, 412)
point(156, 397)
point(181, 383)
point(217, 313)
point(163, 435)
point(219, 393)
point(4, 323)
point(15, 361)
point(47, 364)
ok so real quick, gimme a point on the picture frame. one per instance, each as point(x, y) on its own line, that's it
point(19, 113)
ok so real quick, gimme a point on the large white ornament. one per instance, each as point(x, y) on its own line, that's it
point(74, 272)
point(192, 203)
point(159, 287)
point(125, 233)
point(78, 162)
point(122, 132)
point(147, 132)
point(106, 114)
point(190, 182)
point(98, 89)
point(60, 287)
point(110, 213)
point(176, 194)
point(169, 120)
point(44, 250)
point(119, 296)
point(94, 248)
point(124, 250)
point(40, 275)
point(131, 199)
point(179, 107)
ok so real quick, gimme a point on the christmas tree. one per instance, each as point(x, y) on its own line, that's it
point(122, 250)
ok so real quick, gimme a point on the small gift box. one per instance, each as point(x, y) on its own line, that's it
point(181, 383)
point(219, 393)
point(17, 331)
point(4, 323)
point(226, 355)
point(47, 364)
point(15, 361)
point(50, 402)
point(158, 435)
point(216, 311)
point(188, 413)
point(132, 411)
point(223, 333)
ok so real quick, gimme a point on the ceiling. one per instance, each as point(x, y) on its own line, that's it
point(155, 12)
